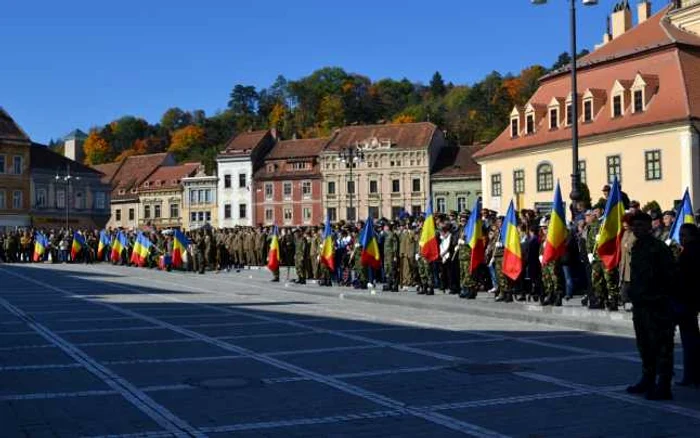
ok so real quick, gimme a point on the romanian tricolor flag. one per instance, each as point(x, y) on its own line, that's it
point(510, 238)
point(684, 215)
point(104, 242)
point(41, 243)
point(328, 247)
point(77, 246)
point(118, 246)
point(474, 236)
point(370, 248)
point(610, 235)
point(142, 247)
point(180, 244)
point(428, 241)
point(273, 255)
point(557, 231)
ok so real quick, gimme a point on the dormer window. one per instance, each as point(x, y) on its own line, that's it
point(638, 99)
point(122, 191)
point(588, 110)
point(530, 124)
point(514, 128)
point(617, 106)
point(553, 118)
point(569, 114)
point(146, 184)
point(643, 89)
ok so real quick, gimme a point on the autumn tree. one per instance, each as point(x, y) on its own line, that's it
point(331, 114)
point(185, 140)
point(277, 116)
point(404, 118)
point(96, 149)
point(174, 119)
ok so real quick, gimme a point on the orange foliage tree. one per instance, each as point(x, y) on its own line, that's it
point(404, 118)
point(185, 139)
point(96, 149)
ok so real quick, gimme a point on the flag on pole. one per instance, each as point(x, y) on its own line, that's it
point(180, 244)
point(41, 243)
point(104, 242)
point(370, 248)
point(77, 246)
point(557, 231)
point(474, 236)
point(609, 242)
point(328, 248)
point(684, 215)
point(273, 255)
point(142, 247)
point(510, 238)
point(118, 246)
point(428, 241)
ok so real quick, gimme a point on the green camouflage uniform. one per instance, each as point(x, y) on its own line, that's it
point(466, 280)
point(391, 250)
point(503, 284)
point(424, 273)
point(360, 271)
point(597, 271)
point(551, 278)
point(301, 250)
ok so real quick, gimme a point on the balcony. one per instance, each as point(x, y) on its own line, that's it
point(396, 195)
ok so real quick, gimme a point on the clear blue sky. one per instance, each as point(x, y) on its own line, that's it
point(77, 64)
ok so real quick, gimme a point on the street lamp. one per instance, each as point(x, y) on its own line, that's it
point(67, 178)
point(350, 156)
point(576, 174)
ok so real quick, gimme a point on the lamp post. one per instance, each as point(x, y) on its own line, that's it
point(350, 156)
point(576, 174)
point(67, 178)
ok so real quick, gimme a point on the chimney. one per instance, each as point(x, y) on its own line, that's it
point(643, 11)
point(621, 19)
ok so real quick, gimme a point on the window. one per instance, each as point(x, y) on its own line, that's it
point(652, 164)
point(306, 189)
point(530, 123)
point(60, 199)
point(588, 111)
point(208, 198)
point(174, 210)
point(496, 185)
point(193, 197)
point(545, 178)
point(395, 186)
point(461, 204)
point(351, 187)
point(416, 210)
point(519, 181)
point(306, 214)
point(582, 172)
point(2, 200)
point(17, 164)
point(553, 118)
point(617, 106)
point(146, 211)
point(514, 130)
point(193, 216)
point(131, 214)
point(242, 180)
point(79, 200)
point(373, 187)
point(156, 211)
point(441, 205)
point(268, 191)
point(569, 114)
point(118, 214)
point(350, 213)
point(269, 215)
point(287, 190)
point(17, 199)
point(373, 212)
point(242, 211)
point(200, 196)
point(638, 101)
point(416, 185)
point(287, 215)
point(200, 215)
point(332, 214)
point(2, 164)
point(227, 181)
point(331, 187)
point(227, 211)
point(100, 200)
point(614, 168)
point(41, 198)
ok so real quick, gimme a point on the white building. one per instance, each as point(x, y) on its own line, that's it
point(235, 167)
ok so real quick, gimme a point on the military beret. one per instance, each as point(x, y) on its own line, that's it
point(670, 213)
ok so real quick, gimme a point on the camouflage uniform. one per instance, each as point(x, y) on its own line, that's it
point(301, 251)
point(391, 249)
point(467, 281)
point(597, 271)
point(425, 274)
point(551, 277)
point(360, 271)
point(503, 283)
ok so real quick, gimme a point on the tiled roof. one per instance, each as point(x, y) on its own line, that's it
point(9, 130)
point(674, 72)
point(457, 162)
point(133, 171)
point(41, 157)
point(245, 143)
point(108, 170)
point(401, 136)
point(75, 134)
point(168, 177)
point(309, 147)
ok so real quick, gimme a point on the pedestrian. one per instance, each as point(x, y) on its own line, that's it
point(685, 303)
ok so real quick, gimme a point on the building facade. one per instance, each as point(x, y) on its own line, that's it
point(288, 184)
point(391, 174)
point(14, 174)
point(639, 121)
point(160, 196)
point(236, 165)
point(456, 179)
point(199, 199)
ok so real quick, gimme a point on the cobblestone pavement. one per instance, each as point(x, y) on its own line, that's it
point(113, 351)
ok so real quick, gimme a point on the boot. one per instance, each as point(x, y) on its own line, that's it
point(522, 298)
point(662, 390)
point(430, 291)
point(509, 298)
point(472, 295)
point(465, 293)
point(645, 384)
point(275, 280)
point(421, 291)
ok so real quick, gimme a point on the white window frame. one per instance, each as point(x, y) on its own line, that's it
point(271, 195)
point(269, 218)
point(306, 214)
point(441, 200)
point(286, 196)
point(41, 198)
point(288, 218)
point(14, 164)
point(244, 206)
point(17, 201)
point(304, 185)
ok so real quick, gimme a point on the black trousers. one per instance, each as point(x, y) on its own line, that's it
point(653, 329)
point(687, 322)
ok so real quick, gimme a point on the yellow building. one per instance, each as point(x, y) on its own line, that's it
point(199, 200)
point(160, 196)
point(639, 119)
point(14, 174)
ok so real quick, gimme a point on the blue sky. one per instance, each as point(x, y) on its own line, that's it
point(77, 64)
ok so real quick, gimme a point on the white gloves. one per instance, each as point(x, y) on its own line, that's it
point(417, 257)
point(461, 242)
point(499, 244)
point(590, 258)
point(541, 258)
point(668, 242)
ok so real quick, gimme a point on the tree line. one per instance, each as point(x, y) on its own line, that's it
point(316, 105)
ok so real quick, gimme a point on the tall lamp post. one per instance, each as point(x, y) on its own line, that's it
point(67, 178)
point(351, 156)
point(576, 174)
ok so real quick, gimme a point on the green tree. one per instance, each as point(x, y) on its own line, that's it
point(174, 119)
point(331, 114)
point(437, 85)
point(243, 100)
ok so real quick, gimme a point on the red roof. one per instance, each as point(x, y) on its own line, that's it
point(168, 177)
point(9, 130)
point(662, 56)
point(309, 147)
point(132, 171)
point(457, 162)
point(401, 136)
point(245, 143)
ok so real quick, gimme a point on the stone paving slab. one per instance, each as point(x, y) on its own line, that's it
point(34, 381)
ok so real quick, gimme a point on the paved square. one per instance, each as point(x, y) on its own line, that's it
point(100, 350)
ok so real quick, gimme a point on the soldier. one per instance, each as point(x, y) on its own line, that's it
point(464, 253)
point(551, 272)
point(651, 277)
point(209, 249)
point(360, 271)
point(425, 274)
point(314, 254)
point(301, 247)
point(597, 299)
point(391, 248)
point(260, 239)
point(406, 255)
point(505, 293)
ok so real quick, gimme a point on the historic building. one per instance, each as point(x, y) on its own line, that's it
point(14, 174)
point(125, 178)
point(639, 106)
point(236, 165)
point(65, 192)
point(456, 179)
point(288, 184)
point(199, 200)
point(390, 172)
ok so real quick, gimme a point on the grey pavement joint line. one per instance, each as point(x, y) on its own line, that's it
point(27, 347)
point(173, 360)
point(136, 397)
point(95, 393)
point(436, 418)
point(46, 366)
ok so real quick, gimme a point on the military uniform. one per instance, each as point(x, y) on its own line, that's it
point(505, 293)
point(301, 248)
point(407, 257)
point(391, 252)
point(598, 283)
point(467, 281)
point(551, 280)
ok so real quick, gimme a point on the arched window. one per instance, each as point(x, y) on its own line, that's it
point(545, 178)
